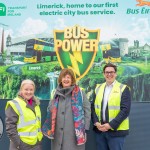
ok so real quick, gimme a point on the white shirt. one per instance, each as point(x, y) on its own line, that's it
point(107, 91)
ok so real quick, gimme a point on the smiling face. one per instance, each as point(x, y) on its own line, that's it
point(67, 77)
point(66, 80)
point(110, 75)
point(27, 91)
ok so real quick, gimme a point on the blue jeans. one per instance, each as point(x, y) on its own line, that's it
point(106, 142)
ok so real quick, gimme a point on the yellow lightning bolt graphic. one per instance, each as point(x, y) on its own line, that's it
point(75, 58)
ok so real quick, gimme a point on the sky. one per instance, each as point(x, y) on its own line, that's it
point(128, 21)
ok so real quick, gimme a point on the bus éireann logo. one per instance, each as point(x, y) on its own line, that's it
point(143, 3)
point(76, 48)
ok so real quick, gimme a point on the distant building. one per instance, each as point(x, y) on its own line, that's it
point(17, 46)
point(123, 45)
point(137, 51)
point(146, 48)
point(136, 43)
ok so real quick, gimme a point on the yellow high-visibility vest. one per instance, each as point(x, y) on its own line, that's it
point(113, 103)
point(29, 123)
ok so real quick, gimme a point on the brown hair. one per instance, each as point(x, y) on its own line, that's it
point(65, 72)
point(110, 65)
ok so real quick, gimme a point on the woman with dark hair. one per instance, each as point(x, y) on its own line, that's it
point(68, 115)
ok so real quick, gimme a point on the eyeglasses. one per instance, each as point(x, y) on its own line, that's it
point(111, 72)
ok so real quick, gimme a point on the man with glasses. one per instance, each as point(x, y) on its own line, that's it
point(110, 111)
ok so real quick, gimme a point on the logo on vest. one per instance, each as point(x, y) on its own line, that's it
point(116, 92)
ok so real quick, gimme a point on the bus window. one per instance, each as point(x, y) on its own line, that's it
point(39, 49)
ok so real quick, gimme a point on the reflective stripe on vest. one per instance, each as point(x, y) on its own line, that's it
point(22, 122)
point(97, 88)
point(29, 133)
point(113, 105)
point(29, 123)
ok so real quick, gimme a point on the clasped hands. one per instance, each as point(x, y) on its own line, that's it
point(102, 127)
